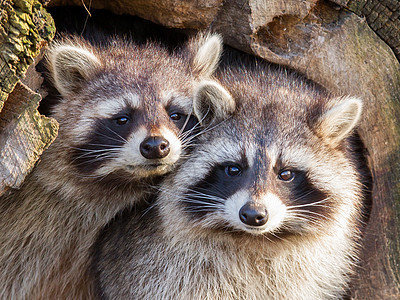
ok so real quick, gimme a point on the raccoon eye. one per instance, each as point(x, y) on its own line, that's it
point(121, 120)
point(286, 175)
point(233, 170)
point(175, 116)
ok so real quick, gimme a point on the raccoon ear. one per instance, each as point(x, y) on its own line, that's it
point(338, 122)
point(207, 50)
point(212, 102)
point(70, 66)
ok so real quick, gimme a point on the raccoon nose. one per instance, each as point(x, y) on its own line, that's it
point(154, 147)
point(253, 214)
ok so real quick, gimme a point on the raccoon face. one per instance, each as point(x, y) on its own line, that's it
point(259, 192)
point(127, 109)
point(142, 139)
point(267, 170)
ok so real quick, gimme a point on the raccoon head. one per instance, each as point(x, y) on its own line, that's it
point(126, 109)
point(272, 167)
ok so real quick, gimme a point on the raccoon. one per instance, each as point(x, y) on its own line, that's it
point(267, 206)
point(125, 121)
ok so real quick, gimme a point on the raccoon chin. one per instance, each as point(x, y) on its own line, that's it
point(255, 231)
point(149, 170)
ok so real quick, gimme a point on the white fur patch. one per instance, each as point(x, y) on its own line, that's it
point(274, 206)
point(297, 156)
point(110, 107)
point(171, 97)
point(223, 150)
point(232, 207)
point(276, 211)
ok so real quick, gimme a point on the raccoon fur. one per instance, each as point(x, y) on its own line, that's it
point(124, 116)
point(267, 206)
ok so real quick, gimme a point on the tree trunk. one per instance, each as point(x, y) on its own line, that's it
point(383, 16)
point(25, 27)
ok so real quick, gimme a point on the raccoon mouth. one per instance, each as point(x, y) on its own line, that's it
point(149, 167)
point(255, 231)
point(241, 232)
point(154, 166)
point(252, 230)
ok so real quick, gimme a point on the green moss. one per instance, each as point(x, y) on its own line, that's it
point(356, 6)
point(24, 5)
point(24, 26)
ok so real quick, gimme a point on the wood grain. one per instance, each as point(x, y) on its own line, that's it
point(25, 27)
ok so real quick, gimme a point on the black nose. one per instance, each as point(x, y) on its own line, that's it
point(253, 214)
point(154, 147)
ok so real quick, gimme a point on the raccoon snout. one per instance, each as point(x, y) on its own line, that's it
point(154, 147)
point(253, 214)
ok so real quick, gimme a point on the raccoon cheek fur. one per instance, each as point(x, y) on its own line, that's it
point(267, 206)
point(125, 119)
point(131, 150)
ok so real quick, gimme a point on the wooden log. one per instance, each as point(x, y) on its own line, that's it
point(383, 16)
point(25, 27)
point(24, 134)
point(193, 14)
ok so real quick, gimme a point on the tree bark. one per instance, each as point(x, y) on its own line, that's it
point(25, 27)
point(383, 16)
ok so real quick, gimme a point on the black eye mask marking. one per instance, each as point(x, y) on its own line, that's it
point(219, 184)
point(104, 142)
point(180, 118)
point(300, 191)
point(191, 125)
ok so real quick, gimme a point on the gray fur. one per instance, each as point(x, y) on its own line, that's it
point(181, 248)
point(51, 222)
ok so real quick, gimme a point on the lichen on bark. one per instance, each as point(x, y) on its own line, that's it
point(25, 27)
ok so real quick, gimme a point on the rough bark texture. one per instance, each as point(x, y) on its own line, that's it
point(23, 135)
point(383, 16)
point(25, 27)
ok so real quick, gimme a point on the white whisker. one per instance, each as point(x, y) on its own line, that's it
point(121, 139)
point(311, 204)
point(118, 135)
